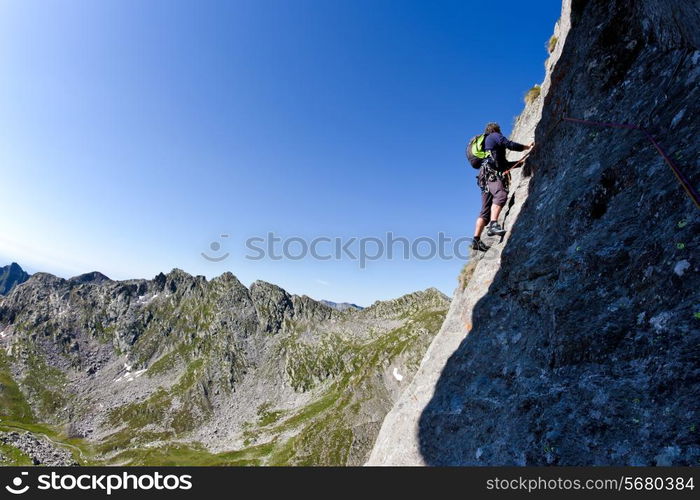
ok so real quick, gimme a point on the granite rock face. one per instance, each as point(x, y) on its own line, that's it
point(181, 370)
point(576, 340)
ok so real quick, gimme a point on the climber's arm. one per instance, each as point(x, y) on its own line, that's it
point(512, 145)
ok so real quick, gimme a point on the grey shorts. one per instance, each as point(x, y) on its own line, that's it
point(496, 194)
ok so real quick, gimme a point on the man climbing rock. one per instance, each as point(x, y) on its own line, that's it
point(493, 184)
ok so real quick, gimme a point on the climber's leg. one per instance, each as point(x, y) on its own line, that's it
point(500, 196)
point(483, 219)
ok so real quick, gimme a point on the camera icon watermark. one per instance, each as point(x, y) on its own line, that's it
point(215, 246)
point(17, 488)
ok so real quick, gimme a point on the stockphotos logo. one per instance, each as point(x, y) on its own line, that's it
point(106, 483)
point(16, 488)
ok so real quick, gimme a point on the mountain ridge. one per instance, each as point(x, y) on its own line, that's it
point(226, 374)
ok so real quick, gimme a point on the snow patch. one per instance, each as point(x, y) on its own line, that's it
point(129, 376)
point(144, 299)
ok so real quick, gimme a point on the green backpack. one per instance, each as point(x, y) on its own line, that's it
point(475, 151)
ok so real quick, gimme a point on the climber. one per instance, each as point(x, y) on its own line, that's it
point(493, 184)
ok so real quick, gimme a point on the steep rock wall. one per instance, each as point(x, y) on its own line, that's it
point(578, 344)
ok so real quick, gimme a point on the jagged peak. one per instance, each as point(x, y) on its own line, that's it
point(264, 284)
point(228, 278)
point(432, 291)
point(409, 302)
point(264, 287)
point(309, 301)
point(11, 276)
point(177, 273)
point(175, 278)
point(14, 269)
point(91, 277)
point(264, 292)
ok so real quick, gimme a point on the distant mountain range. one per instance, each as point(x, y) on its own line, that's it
point(11, 276)
point(341, 306)
point(184, 370)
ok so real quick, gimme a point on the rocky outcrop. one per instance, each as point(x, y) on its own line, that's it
point(577, 343)
point(231, 375)
point(11, 276)
point(39, 451)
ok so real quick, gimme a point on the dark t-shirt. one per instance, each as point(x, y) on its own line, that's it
point(497, 144)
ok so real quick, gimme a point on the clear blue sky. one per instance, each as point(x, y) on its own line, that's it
point(133, 134)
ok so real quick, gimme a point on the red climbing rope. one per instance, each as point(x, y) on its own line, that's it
point(692, 192)
point(521, 160)
point(517, 163)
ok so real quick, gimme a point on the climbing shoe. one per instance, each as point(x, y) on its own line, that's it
point(478, 245)
point(495, 229)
